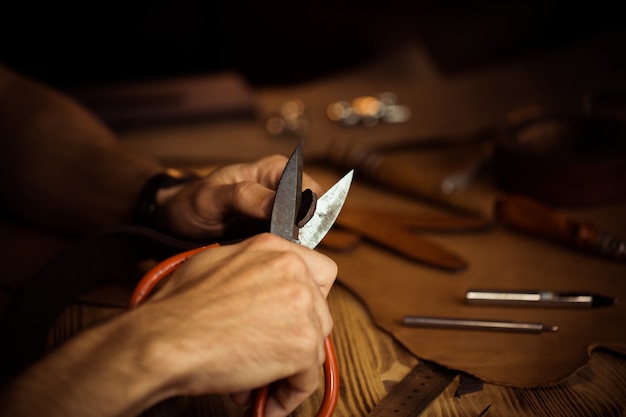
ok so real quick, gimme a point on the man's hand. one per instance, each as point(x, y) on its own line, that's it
point(241, 316)
point(208, 207)
point(229, 320)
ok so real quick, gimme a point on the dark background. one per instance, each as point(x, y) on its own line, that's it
point(70, 44)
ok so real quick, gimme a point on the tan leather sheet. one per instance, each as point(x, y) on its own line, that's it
point(392, 287)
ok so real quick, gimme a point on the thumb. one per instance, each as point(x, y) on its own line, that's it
point(248, 198)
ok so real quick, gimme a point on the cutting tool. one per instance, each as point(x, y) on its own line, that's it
point(529, 215)
point(305, 224)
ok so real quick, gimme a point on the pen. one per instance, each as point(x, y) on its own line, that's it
point(572, 299)
point(476, 324)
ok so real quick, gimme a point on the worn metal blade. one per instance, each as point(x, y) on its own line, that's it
point(288, 198)
point(328, 208)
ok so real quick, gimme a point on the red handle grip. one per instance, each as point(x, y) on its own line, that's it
point(331, 367)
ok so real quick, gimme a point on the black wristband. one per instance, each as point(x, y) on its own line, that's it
point(145, 209)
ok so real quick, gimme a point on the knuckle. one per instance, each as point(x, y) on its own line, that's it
point(241, 190)
point(311, 386)
point(273, 159)
point(265, 241)
point(327, 325)
point(309, 345)
point(300, 295)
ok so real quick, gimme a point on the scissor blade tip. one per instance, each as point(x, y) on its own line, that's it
point(347, 177)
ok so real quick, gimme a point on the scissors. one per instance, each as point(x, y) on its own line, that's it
point(304, 224)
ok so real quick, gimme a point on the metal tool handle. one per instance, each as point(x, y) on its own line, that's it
point(373, 164)
point(533, 217)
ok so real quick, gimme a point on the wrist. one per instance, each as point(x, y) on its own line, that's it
point(108, 370)
point(155, 191)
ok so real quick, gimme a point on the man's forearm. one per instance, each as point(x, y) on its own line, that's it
point(91, 376)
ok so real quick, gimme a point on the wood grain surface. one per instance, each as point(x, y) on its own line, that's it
point(372, 363)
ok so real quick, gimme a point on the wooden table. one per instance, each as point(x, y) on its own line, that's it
point(371, 361)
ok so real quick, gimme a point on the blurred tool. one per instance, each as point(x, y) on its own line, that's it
point(476, 324)
point(568, 299)
point(290, 119)
point(369, 110)
point(415, 392)
point(398, 232)
point(528, 215)
point(460, 180)
point(373, 164)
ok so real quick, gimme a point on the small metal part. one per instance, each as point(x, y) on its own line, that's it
point(477, 324)
point(570, 299)
point(369, 111)
point(611, 246)
point(290, 119)
point(460, 180)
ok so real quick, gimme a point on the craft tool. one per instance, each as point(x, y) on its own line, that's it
point(476, 324)
point(573, 299)
point(531, 216)
point(303, 222)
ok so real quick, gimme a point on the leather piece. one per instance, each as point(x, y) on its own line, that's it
point(392, 286)
point(399, 233)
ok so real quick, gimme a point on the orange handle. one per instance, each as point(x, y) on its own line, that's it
point(531, 216)
point(331, 386)
point(331, 367)
point(160, 271)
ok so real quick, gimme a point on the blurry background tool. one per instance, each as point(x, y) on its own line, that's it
point(377, 164)
point(531, 216)
point(369, 110)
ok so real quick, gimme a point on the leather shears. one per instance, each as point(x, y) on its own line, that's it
point(305, 224)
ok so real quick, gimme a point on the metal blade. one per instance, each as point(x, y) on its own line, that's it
point(328, 207)
point(288, 197)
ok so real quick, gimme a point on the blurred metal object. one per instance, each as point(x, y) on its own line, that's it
point(476, 324)
point(538, 298)
point(290, 119)
point(374, 164)
point(532, 216)
point(459, 180)
point(369, 110)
